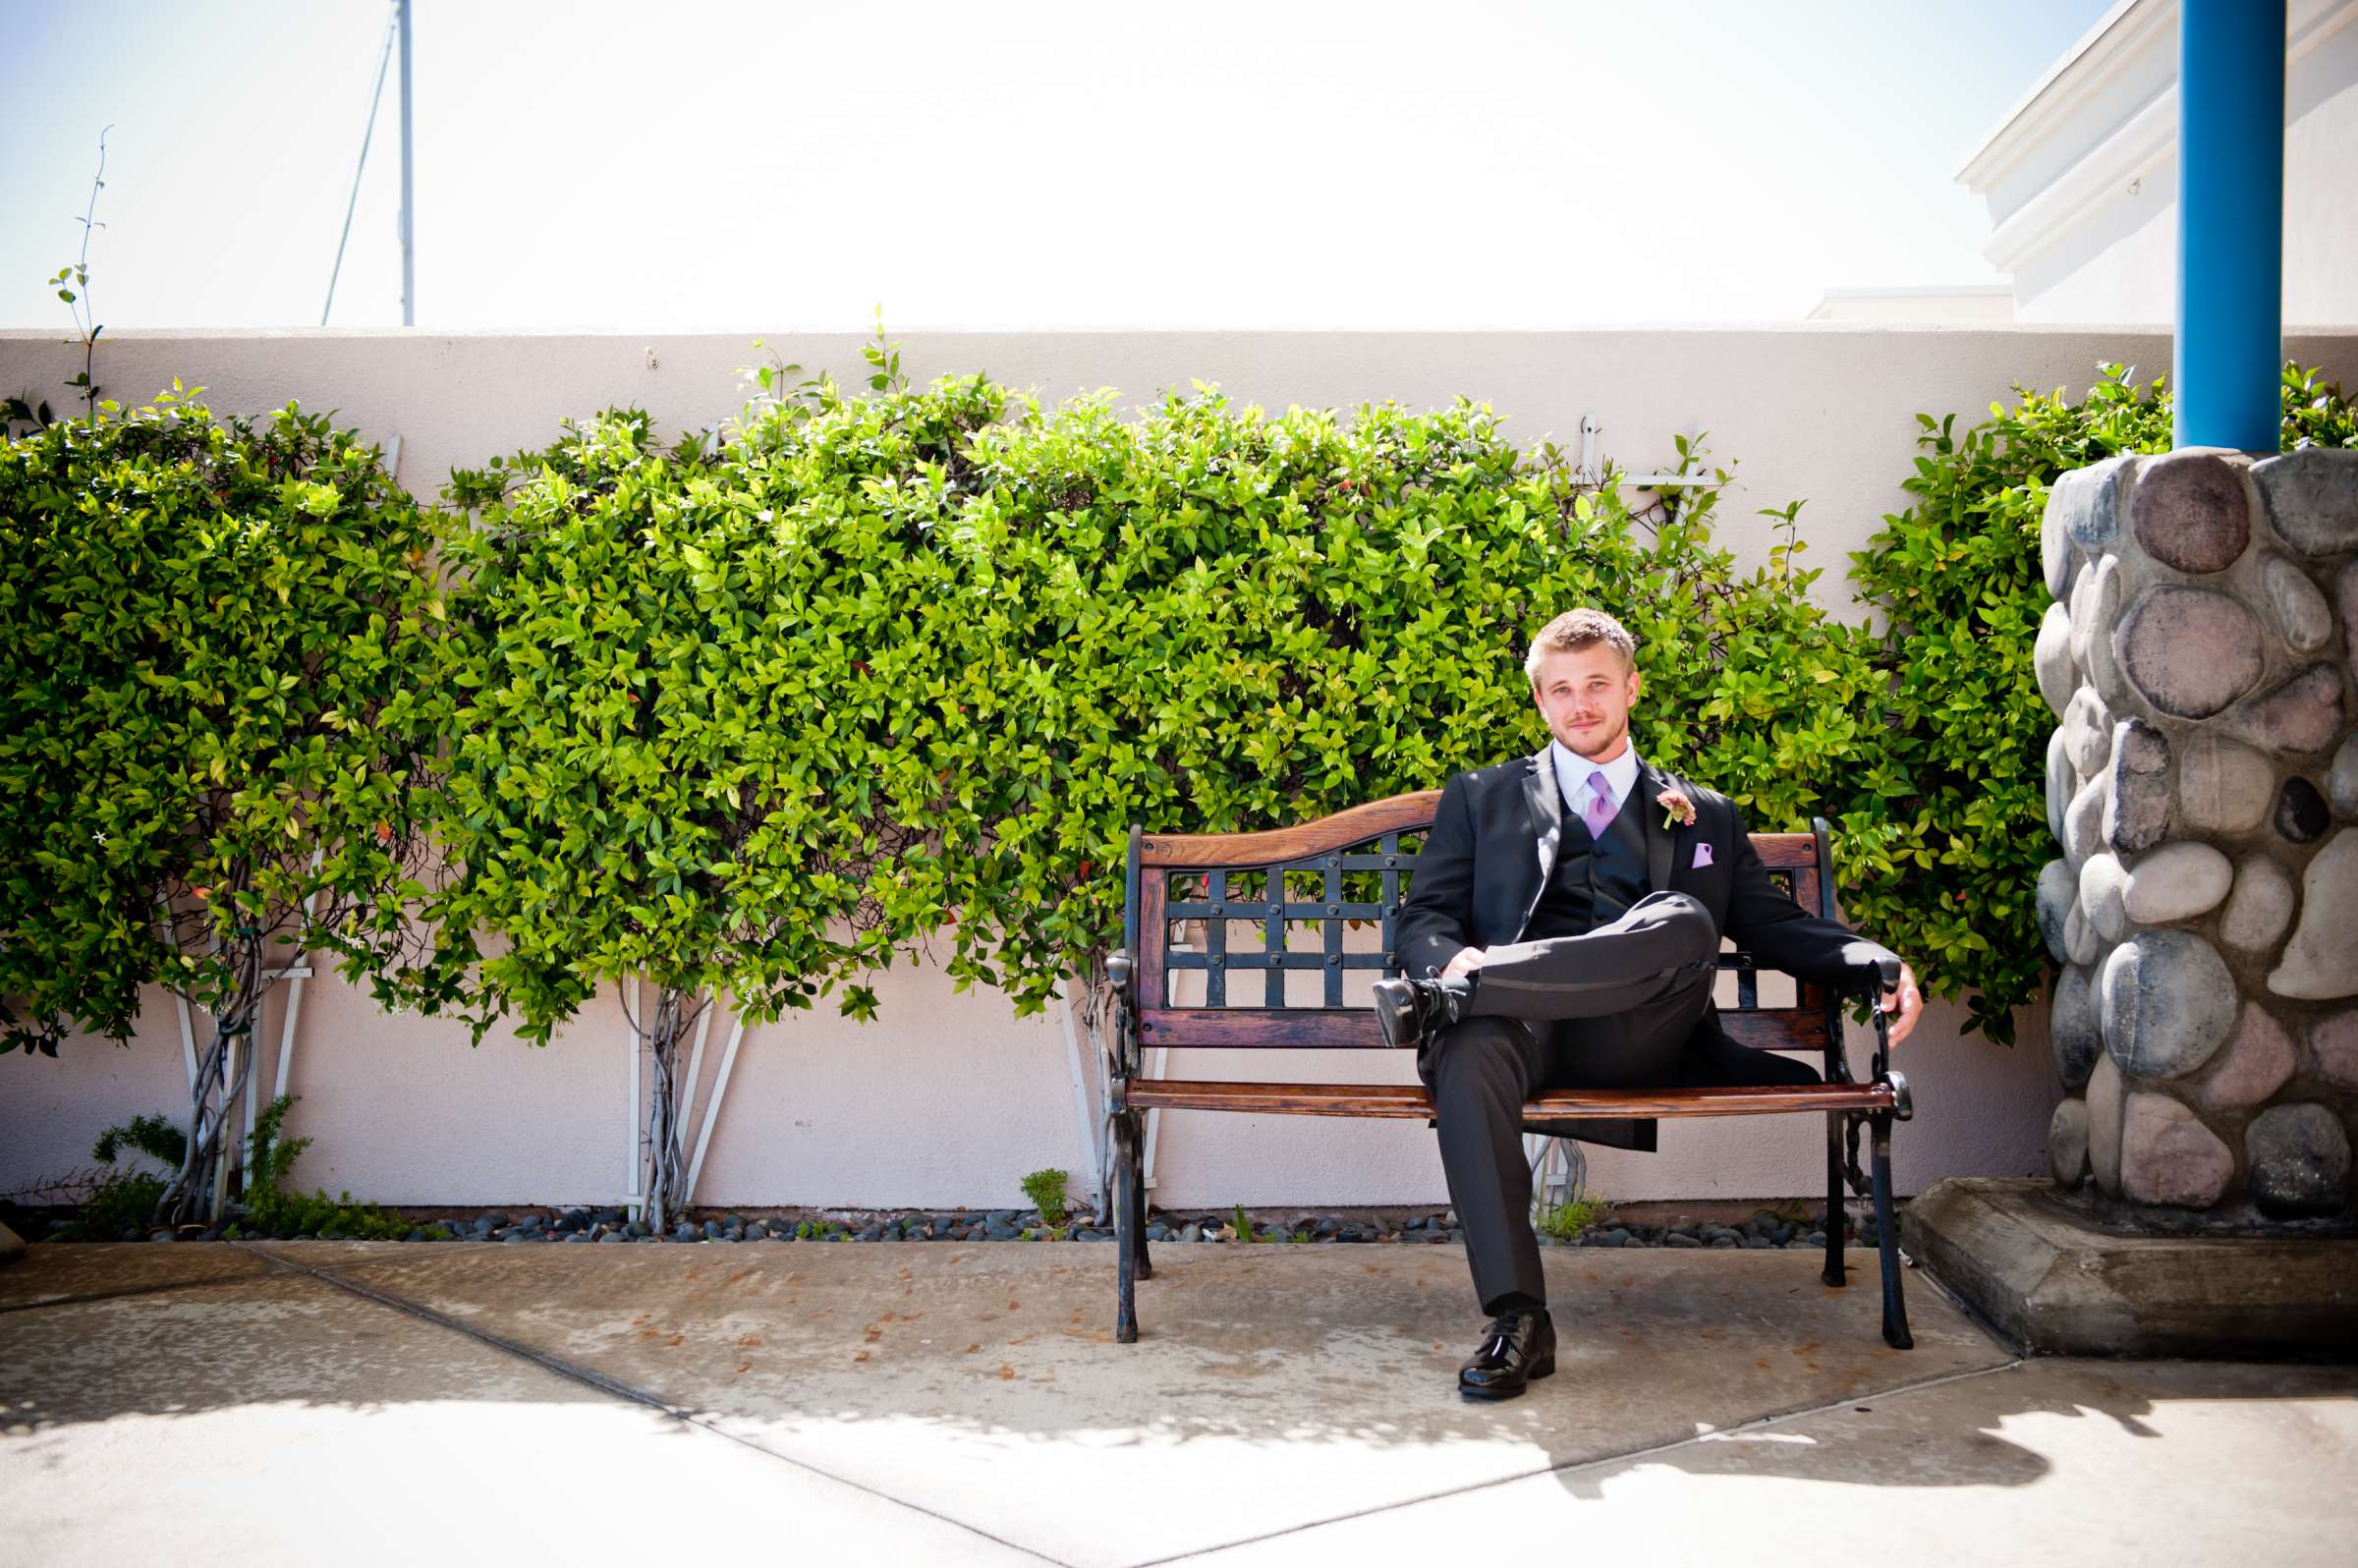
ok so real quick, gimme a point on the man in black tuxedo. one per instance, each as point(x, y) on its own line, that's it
point(1563, 929)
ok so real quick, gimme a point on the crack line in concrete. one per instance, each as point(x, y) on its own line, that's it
point(1576, 1466)
point(604, 1384)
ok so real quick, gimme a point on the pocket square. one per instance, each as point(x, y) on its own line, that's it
point(1702, 855)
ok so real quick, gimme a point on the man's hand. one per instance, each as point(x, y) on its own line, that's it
point(1905, 1004)
point(1467, 961)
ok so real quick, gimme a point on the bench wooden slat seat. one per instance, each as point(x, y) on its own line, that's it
point(1333, 1029)
point(1187, 895)
point(1410, 1100)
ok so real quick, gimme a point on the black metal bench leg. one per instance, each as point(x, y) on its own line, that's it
point(1138, 1189)
point(1886, 1231)
point(1129, 1232)
point(1832, 1273)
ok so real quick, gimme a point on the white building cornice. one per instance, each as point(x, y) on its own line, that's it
point(2123, 31)
point(2104, 118)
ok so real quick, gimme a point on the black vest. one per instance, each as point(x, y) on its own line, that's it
point(1595, 880)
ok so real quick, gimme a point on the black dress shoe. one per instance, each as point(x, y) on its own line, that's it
point(1407, 1009)
point(1520, 1346)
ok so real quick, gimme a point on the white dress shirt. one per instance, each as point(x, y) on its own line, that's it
point(1572, 772)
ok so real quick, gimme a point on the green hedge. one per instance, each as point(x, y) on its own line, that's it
point(217, 634)
point(762, 713)
point(864, 674)
point(1211, 618)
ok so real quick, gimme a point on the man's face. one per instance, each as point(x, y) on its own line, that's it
point(1585, 695)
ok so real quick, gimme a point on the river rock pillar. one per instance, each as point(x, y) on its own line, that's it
point(2202, 784)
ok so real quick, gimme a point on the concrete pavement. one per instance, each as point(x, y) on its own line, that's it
point(951, 1403)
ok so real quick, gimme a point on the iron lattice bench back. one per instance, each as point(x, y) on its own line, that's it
point(1300, 875)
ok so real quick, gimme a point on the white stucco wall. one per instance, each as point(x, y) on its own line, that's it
point(1959, 304)
point(947, 1100)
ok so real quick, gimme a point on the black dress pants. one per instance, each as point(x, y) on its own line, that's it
point(1610, 1009)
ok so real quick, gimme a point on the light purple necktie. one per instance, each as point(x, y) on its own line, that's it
point(1600, 811)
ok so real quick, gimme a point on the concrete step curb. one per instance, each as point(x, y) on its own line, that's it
point(2059, 1285)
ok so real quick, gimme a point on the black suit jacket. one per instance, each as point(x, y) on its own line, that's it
point(1493, 843)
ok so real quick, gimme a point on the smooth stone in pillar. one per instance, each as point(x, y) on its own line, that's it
point(2167, 1157)
point(2167, 1003)
point(2101, 668)
point(2095, 606)
point(2104, 1123)
point(2345, 596)
point(2137, 805)
point(2103, 880)
point(2302, 713)
point(2072, 1027)
point(2300, 1159)
point(2060, 782)
point(2301, 814)
point(2223, 786)
point(2321, 962)
point(2087, 731)
point(2296, 605)
point(2084, 820)
point(2341, 782)
point(2083, 508)
point(2175, 883)
point(2260, 907)
point(2081, 944)
point(2050, 658)
point(2068, 1143)
point(2312, 498)
point(2057, 888)
point(2190, 512)
point(2054, 551)
point(2257, 1062)
point(2189, 651)
point(2334, 1048)
point(2092, 500)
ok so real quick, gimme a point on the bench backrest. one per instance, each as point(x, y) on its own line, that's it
point(1346, 872)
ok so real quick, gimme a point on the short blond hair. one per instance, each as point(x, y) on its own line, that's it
point(1578, 629)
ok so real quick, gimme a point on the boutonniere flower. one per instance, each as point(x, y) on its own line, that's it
point(1676, 808)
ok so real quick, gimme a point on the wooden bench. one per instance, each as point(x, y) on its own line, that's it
point(1349, 869)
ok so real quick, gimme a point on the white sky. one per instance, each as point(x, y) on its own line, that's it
point(1199, 164)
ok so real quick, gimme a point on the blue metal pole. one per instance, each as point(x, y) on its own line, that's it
point(2230, 346)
